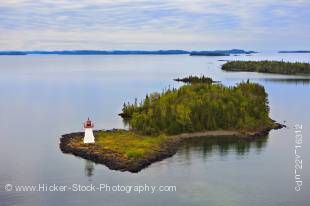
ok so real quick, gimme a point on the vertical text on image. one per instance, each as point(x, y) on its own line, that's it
point(298, 157)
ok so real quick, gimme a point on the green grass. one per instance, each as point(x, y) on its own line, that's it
point(128, 143)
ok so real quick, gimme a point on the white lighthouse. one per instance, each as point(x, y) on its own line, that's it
point(88, 135)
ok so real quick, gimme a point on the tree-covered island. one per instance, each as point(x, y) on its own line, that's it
point(161, 121)
point(196, 79)
point(200, 107)
point(276, 67)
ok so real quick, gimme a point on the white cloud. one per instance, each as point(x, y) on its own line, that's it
point(95, 24)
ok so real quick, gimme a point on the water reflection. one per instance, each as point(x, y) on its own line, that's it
point(222, 146)
point(296, 81)
point(57, 92)
point(89, 168)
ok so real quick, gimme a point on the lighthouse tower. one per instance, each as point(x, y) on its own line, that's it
point(88, 136)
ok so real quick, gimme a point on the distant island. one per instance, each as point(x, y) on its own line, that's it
point(296, 51)
point(208, 53)
point(129, 52)
point(220, 52)
point(161, 121)
point(275, 67)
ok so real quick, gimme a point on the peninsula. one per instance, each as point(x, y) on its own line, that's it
point(161, 121)
point(275, 67)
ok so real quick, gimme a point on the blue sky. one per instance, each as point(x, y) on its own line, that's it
point(154, 24)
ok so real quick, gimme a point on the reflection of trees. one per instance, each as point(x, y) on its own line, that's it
point(222, 145)
point(89, 168)
point(289, 81)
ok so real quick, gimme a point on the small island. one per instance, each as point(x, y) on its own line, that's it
point(274, 67)
point(195, 79)
point(161, 121)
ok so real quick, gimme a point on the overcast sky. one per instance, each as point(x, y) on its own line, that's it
point(154, 24)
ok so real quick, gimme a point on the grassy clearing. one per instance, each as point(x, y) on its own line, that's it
point(129, 143)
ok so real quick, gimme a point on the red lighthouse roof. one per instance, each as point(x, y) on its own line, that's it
point(88, 124)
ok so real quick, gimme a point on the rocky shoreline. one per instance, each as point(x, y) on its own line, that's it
point(116, 161)
point(112, 159)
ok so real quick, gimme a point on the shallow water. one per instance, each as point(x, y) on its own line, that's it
point(43, 97)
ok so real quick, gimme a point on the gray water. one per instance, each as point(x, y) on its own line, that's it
point(45, 96)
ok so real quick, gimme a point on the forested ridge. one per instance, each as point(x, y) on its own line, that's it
point(200, 107)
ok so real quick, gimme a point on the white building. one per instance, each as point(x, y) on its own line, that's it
point(88, 135)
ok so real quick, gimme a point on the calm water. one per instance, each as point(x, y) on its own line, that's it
point(43, 97)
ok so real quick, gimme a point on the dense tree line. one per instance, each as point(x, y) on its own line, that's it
point(199, 107)
point(278, 67)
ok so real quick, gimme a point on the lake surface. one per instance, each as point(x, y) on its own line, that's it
point(45, 96)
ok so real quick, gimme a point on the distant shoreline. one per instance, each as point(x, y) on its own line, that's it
point(130, 52)
point(295, 51)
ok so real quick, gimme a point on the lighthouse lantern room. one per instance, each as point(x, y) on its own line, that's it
point(89, 135)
